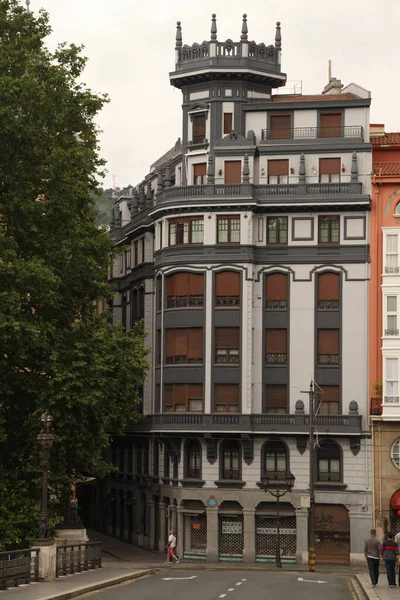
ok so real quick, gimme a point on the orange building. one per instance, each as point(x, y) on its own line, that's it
point(384, 371)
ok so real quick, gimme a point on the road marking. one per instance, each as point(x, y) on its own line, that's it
point(231, 590)
point(244, 579)
point(352, 590)
point(222, 596)
point(310, 580)
point(178, 578)
point(239, 583)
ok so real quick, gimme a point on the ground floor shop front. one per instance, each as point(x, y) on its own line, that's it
point(234, 525)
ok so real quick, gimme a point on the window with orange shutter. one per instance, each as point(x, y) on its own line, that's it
point(185, 290)
point(276, 346)
point(276, 291)
point(328, 346)
point(330, 125)
point(199, 129)
point(329, 399)
point(180, 397)
point(184, 346)
point(275, 400)
point(226, 397)
point(227, 340)
point(227, 289)
point(328, 291)
point(329, 170)
point(227, 123)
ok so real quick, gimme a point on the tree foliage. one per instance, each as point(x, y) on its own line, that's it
point(56, 352)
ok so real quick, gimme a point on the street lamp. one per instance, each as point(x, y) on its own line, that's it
point(45, 439)
point(276, 489)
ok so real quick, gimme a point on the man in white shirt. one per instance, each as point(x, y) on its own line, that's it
point(171, 548)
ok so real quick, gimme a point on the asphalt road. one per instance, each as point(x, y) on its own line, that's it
point(232, 585)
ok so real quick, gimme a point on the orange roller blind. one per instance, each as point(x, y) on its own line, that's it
point(328, 286)
point(227, 283)
point(276, 285)
point(328, 341)
point(276, 341)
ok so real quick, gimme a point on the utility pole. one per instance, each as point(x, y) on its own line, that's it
point(311, 511)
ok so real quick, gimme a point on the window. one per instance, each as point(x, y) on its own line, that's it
point(230, 459)
point(228, 230)
point(279, 127)
point(395, 454)
point(328, 461)
point(193, 459)
point(275, 460)
point(227, 123)
point(329, 170)
point(275, 346)
point(233, 171)
point(227, 289)
point(227, 345)
point(180, 397)
point(184, 346)
point(161, 240)
point(141, 303)
point(158, 347)
point(156, 458)
point(276, 287)
point(328, 291)
point(392, 259)
point(328, 401)
point(278, 171)
point(226, 397)
point(143, 245)
point(159, 293)
point(123, 309)
point(328, 347)
point(121, 264)
point(199, 174)
point(329, 229)
point(135, 253)
point(391, 395)
point(134, 306)
point(199, 128)
point(128, 258)
point(330, 125)
point(185, 231)
point(275, 401)
point(157, 399)
point(391, 316)
point(167, 462)
point(185, 290)
point(277, 230)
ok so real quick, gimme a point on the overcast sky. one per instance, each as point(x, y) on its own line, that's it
point(130, 45)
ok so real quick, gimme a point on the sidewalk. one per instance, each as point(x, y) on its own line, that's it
point(381, 591)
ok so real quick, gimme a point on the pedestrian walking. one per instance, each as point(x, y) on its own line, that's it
point(171, 556)
point(389, 551)
point(372, 551)
point(397, 540)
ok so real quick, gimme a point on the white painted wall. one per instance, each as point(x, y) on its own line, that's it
point(305, 118)
point(256, 121)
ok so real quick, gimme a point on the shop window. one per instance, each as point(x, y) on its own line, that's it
point(328, 347)
point(328, 291)
point(186, 231)
point(329, 462)
point(226, 398)
point(230, 460)
point(227, 343)
point(184, 346)
point(185, 290)
point(192, 459)
point(277, 230)
point(329, 400)
point(278, 171)
point(329, 229)
point(181, 397)
point(276, 400)
point(276, 291)
point(329, 170)
point(275, 460)
point(228, 230)
point(227, 289)
point(275, 346)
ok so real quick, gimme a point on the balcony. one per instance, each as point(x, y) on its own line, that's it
point(391, 332)
point(276, 359)
point(375, 407)
point(235, 422)
point(312, 133)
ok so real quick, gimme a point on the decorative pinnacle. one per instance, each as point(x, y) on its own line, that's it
point(214, 27)
point(244, 28)
point(27, 2)
point(178, 37)
point(278, 37)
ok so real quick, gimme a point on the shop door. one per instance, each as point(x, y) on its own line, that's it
point(332, 534)
point(231, 537)
point(195, 536)
point(266, 538)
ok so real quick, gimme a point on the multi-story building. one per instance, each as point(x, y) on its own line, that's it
point(246, 254)
point(384, 327)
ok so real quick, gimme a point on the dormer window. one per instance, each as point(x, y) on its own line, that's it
point(199, 128)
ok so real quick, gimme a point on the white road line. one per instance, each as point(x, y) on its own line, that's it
point(244, 579)
point(231, 590)
point(310, 580)
point(239, 583)
point(222, 596)
point(178, 578)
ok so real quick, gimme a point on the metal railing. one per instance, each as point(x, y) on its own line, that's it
point(312, 133)
point(74, 558)
point(18, 567)
point(391, 332)
point(375, 407)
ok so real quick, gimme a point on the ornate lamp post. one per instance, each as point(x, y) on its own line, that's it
point(45, 439)
point(276, 489)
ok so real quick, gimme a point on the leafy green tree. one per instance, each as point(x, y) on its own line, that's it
point(56, 352)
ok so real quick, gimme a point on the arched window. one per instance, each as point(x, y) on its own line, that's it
point(329, 462)
point(193, 459)
point(397, 209)
point(275, 460)
point(276, 291)
point(141, 303)
point(227, 289)
point(185, 290)
point(328, 297)
point(123, 308)
point(230, 460)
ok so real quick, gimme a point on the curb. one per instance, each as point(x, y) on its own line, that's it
point(107, 583)
point(367, 594)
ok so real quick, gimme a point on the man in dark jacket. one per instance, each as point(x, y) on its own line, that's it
point(389, 552)
point(372, 550)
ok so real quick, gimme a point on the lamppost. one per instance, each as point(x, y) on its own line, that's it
point(276, 489)
point(45, 439)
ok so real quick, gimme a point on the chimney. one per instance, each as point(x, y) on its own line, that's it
point(376, 130)
point(335, 85)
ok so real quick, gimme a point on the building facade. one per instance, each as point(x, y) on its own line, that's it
point(246, 253)
point(384, 328)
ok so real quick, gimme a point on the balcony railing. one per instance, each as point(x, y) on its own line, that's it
point(328, 359)
point(390, 270)
point(247, 423)
point(328, 305)
point(276, 304)
point(312, 133)
point(391, 332)
point(391, 400)
point(375, 407)
point(276, 359)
